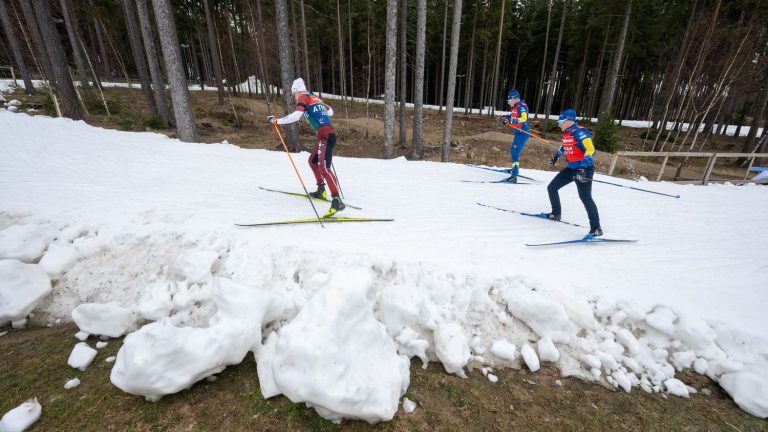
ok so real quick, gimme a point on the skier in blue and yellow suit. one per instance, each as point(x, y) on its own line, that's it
point(518, 119)
point(579, 151)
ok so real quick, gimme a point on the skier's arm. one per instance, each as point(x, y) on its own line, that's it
point(329, 110)
point(584, 142)
point(291, 118)
point(522, 115)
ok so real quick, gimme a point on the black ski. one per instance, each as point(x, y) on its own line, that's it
point(536, 215)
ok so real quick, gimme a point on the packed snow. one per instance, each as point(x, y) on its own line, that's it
point(333, 315)
point(21, 417)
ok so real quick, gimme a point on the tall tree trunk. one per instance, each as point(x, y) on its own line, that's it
point(158, 85)
point(342, 82)
point(455, 29)
point(69, 101)
point(403, 69)
point(582, 71)
point(304, 42)
point(10, 33)
point(215, 57)
point(286, 70)
point(757, 117)
point(389, 80)
point(543, 63)
point(606, 104)
point(470, 68)
point(138, 54)
point(553, 73)
point(169, 43)
point(442, 60)
point(351, 52)
point(104, 60)
point(82, 72)
point(368, 48)
point(495, 89)
point(418, 119)
point(33, 27)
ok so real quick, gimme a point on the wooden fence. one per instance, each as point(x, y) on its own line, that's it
point(707, 171)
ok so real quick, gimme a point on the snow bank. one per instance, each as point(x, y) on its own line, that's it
point(21, 417)
point(25, 242)
point(335, 356)
point(749, 389)
point(161, 358)
point(22, 287)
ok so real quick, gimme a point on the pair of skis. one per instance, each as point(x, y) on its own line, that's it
point(499, 170)
point(309, 221)
point(586, 239)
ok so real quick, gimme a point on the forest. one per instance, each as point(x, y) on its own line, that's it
point(671, 62)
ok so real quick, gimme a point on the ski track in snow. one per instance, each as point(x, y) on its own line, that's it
point(134, 204)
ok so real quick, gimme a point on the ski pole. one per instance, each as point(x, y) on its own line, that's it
point(333, 167)
point(530, 134)
point(319, 219)
point(630, 187)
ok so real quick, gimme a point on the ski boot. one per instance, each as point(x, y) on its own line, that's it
point(551, 216)
point(336, 206)
point(319, 193)
point(511, 179)
point(595, 232)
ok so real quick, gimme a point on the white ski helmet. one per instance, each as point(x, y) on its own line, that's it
point(298, 86)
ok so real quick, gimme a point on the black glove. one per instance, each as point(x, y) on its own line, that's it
point(553, 161)
point(581, 175)
point(502, 120)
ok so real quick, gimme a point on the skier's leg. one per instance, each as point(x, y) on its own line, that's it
point(561, 179)
point(585, 193)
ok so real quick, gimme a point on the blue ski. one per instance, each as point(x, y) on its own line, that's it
point(536, 215)
point(587, 239)
point(494, 181)
point(499, 170)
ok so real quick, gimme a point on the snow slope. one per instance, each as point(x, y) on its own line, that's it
point(151, 221)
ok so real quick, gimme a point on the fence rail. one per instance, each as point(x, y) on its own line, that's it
point(707, 171)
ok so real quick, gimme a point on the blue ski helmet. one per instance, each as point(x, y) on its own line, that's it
point(513, 94)
point(569, 114)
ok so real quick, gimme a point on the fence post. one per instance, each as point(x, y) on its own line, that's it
point(663, 165)
point(613, 163)
point(708, 171)
point(13, 75)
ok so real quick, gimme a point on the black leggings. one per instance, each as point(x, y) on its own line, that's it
point(585, 193)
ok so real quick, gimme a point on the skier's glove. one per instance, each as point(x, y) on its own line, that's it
point(581, 175)
point(502, 121)
point(272, 119)
point(554, 159)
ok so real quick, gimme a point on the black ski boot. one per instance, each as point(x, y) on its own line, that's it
point(552, 216)
point(595, 232)
point(319, 193)
point(336, 206)
point(511, 179)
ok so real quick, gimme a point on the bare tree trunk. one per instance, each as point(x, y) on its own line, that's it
point(582, 71)
point(389, 80)
point(105, 63)
point(304, 42)
point(215, 58)
point(82, 73)
point(138, 54)
point(606, 105)
point(418, 119)
point(455, 29)
point(553, 73)
point(368, 71)
point(351, 52)
point(169, 43)
point(495, 81)
point(69, 101)
point(342, 82)
point(470, 68)
point(598, 75)
point(5, 19)
point(442, 60)
point(33, 27)
point(286, 71)
point(158, 85)
point(757, 117)
point(403, 70)
point(543, 63)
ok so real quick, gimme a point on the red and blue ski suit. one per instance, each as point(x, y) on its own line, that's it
point(578, 150)
point(518, 119)
point(318, 115)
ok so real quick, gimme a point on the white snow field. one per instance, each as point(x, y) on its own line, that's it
point(140, 230)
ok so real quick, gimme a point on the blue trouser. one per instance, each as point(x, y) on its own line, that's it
point(585, 193)
point(517, 147)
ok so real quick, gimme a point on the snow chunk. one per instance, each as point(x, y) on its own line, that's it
point(25, 242)
point(195, 266)
point(676, 387)
point(22, 286)
point(72, 383)
point(82, 356)
point(337, 357)
point(409, 345)
point(547, 350)
point(82, 336)
point(58, 259)
point(452, 348)
point(662, 319)
point(695, 332)
point(161, 359)
point(683, 359)
point(21, 417)
point(109, 319)
point(545, 316)
point(156, 302)
point(504, 350)
point(492, 378)
point(530, 357)
point(409, 406)
point(749, 389)
point(101, 344)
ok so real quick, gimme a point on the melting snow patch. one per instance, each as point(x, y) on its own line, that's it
point(409, 406)
point(530, 357)
point(82, 356)
point(22, 286)
point(21, 417)
point(72, 383)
